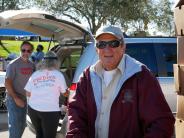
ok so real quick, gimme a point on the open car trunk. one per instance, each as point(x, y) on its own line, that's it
point(72, 37)
point(41, 23)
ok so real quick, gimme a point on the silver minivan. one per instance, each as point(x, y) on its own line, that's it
point(157, 53)
point(76, 48)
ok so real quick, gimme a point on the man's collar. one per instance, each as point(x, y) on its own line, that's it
point(121, 65)
point(99, 68)
point(24, 59)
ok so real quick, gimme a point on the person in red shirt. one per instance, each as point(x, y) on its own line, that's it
point(18, 72)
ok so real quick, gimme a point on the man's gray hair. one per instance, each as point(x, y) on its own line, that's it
point(50, 61)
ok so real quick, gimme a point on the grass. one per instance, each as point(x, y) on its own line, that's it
point(14, 46)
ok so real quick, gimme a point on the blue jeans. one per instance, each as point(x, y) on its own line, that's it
point(16, 118)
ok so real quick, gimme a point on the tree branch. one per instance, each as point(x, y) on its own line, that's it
point(71, 17)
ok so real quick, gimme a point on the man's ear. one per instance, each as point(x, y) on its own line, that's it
point(123, 47)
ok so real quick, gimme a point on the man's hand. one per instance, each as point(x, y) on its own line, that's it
point(19, 102)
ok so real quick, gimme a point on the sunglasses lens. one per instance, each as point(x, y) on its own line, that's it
point(101, 44)
point(24, 50)
point(112, 44)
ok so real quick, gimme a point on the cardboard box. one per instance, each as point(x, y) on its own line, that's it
point(179, 128)
point(180, 107)
point(178, 19)
point(179, 78)
point(180, 49)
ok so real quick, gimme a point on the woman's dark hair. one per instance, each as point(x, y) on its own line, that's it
point(40, 47)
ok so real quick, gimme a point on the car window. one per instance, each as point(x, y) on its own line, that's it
point(158, 57)
point(69, 64)
point(71, 60)
point(167, 57)
point(144, 52)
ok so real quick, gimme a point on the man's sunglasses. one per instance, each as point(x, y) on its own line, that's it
point(24, 50)
point(112, 44)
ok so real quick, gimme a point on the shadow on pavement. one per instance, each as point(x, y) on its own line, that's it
point(3, 121)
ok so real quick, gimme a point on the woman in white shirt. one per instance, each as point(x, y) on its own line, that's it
point(43, 89)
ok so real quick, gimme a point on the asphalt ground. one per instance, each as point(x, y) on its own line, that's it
point(4, 128)
point(27, 133)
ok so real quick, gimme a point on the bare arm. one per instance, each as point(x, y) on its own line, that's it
point(11, 92)
point(66, 93)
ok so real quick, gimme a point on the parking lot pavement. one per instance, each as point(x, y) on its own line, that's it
point(3, 121)
point(4, 128)
point(27, 134)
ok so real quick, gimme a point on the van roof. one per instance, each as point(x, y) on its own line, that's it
point(151, 40)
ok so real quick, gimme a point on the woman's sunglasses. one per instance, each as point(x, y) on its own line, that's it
point(24, 50)
point(112, 44)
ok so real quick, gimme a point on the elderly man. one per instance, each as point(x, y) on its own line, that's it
point(118, 97)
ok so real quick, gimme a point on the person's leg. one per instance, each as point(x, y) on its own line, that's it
point(36, 121)
point(16, 118)
point(50, 121)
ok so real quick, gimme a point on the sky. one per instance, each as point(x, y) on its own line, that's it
point(175, 2)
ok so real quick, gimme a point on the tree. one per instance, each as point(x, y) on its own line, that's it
point(134, 14)
point(140, 15)
point(8, 5)
point(94, 12)
point(163, 16)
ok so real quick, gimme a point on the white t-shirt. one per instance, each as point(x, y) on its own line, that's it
point(45, 87)
point(108, 76)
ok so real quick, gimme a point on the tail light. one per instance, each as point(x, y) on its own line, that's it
point(73, 87)
point(72, 90)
